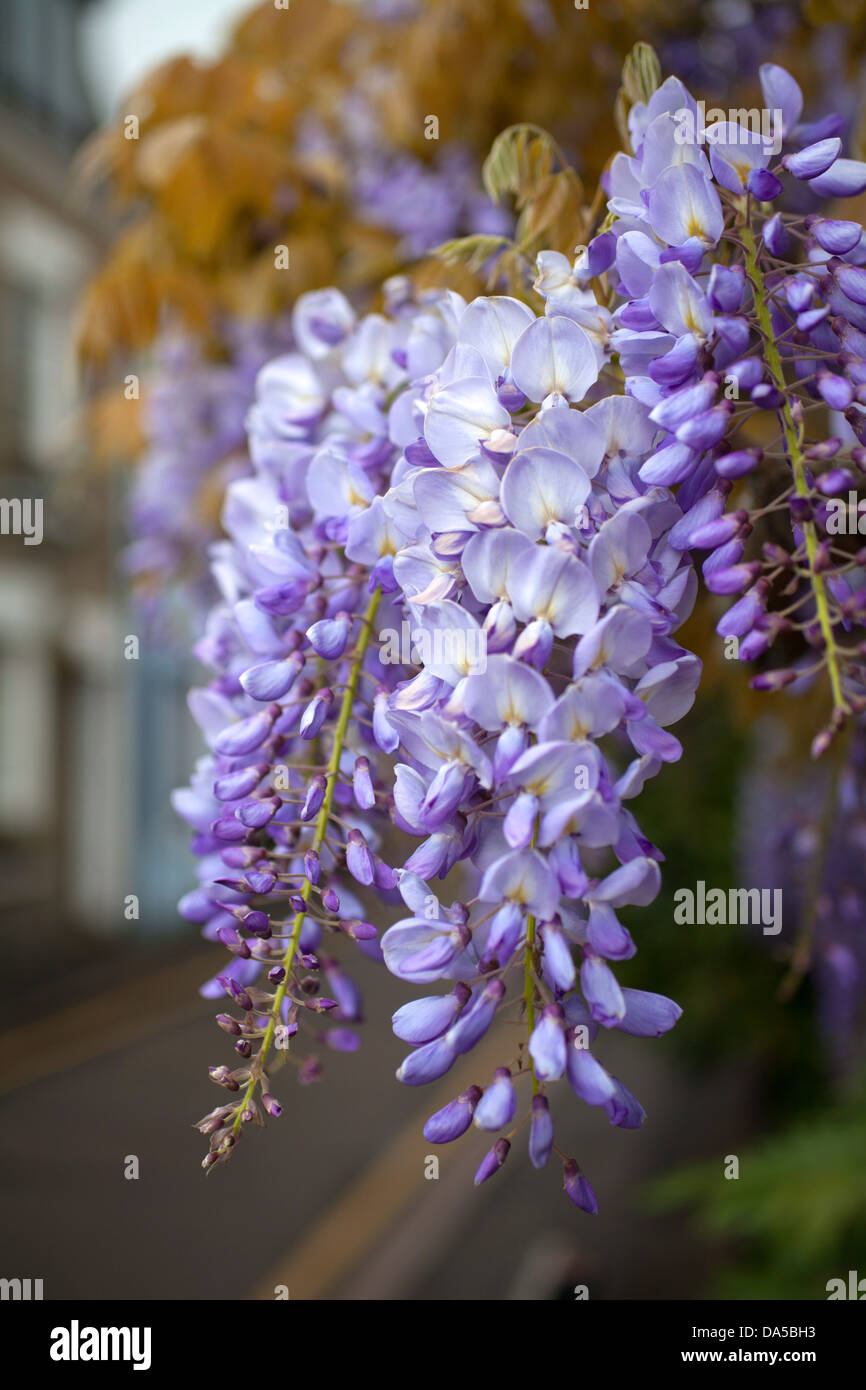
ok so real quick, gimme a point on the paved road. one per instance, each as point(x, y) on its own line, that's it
point(331, 1199)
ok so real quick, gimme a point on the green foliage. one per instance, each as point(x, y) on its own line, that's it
point(796, 1215)
point(641, 76)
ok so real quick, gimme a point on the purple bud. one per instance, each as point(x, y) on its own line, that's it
point(236, 785)
point(776, 238)
point(497, 1106)
point(838, 480)
point(328, 637)
point(312, 867)
point(773, 680)
point(763, 185)
point(314, 797)
point(767, 396)
point(359, 860)
point(738, 463)
point(422, 1020)
point(475, 1020)
point(271, 680)
point(836, 236)
point(852, 282)
point(547, 1044)
point(427, 1063)
point(236, 991)
point(732, 580)
point(453, 1119)
point(492, 1161)
point(814, 159)
point(716, 533)
point(540, 1132)
point(725, 287)
point(316, 713)
point(362, 784)
point(578, 1188)
point(706, 429)
point(259, 811)
point(244, 736)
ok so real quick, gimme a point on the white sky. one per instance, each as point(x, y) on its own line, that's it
point(122, 39)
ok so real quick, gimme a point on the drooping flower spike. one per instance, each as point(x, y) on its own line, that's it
point(549, 674)
point(287, 808)
point(728, 307)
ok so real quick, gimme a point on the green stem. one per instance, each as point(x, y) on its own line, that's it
point(331, 774)
point(793, 441)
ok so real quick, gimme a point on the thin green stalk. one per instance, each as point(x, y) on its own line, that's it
point(793, 441)
point(318, 840)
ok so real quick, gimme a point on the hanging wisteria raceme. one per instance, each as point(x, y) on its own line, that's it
point(730, 309)
point(285, 806)
point(521, 599)
point(541, 595)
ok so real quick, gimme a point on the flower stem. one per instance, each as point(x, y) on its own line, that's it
point(318, 840)
point(793, 441)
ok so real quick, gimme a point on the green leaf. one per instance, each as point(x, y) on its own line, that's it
point(472, 251)
point(641, 76)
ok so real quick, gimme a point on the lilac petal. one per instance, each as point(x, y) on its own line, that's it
point(781, 93)
point(557, 962)
point(601, 992)
point(669, 465)
point(678, 303)
point(423, 1020)
point(459, 417)
point(776, 236)
point(624, 1109)
point(477, 1018)
point(508, 691)
point(245, 736)
point(619, 549)
point(554, 356)
point(547, 1045)
point(271, 680)
point(328, 637)
point(497, 1106)
point(557, 586)
point(814, 159)
point(525, 878)
point(588, 1078)
point(648, 1015)
point(836, 236)
point(844, 179)
point(428, 1063)
point(684, 204)
point(606, 934)
point(539, 487)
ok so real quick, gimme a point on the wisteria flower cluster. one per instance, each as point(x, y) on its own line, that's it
point(432, 470)
point(732, 311)
point(446, 647)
